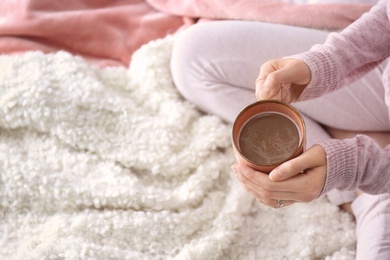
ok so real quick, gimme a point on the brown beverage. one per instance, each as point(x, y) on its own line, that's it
point(269, 138)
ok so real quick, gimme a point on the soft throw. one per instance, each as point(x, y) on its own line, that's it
point(107, 32)
point(114, 164)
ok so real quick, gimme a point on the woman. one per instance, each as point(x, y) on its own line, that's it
point(215, 66)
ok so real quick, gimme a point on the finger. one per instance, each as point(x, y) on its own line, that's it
point(269, 87)
point(279, 73)
point(268, 195)
point(258, 181)
point(286, 93)
point(313, 157)
point(295, 189)
point(259, 85)
point(260, 185)
point(273, 203)
point(265, 70)
point(277, 96)
point(293, 72)
point(268, 84)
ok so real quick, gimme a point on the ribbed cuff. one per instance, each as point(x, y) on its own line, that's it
point(341, 164)
point(322, 69)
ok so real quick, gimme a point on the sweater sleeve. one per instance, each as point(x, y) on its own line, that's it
point(348, 55)
point(358, 162)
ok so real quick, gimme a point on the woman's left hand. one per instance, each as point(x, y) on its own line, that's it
point(298, 180)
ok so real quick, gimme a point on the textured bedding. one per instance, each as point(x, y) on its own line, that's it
point(107, 32)
point(113, 164)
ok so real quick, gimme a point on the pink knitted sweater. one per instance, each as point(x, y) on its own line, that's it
point(343, 58)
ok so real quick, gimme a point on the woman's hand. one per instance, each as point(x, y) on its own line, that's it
point(282, 79)
point(299, 180)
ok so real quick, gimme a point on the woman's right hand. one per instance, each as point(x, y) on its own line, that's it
point(282, 79)
point(301, 179)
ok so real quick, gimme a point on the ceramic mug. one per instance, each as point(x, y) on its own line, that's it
point(267, 133)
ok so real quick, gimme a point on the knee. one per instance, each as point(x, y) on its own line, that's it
point(372, 206)
point(187, 61)
point(372, 219)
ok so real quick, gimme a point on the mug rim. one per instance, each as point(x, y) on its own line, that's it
point(278, 102)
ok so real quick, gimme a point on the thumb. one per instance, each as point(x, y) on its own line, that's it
point(271, 82)
point(313, 157)
point(286, 170)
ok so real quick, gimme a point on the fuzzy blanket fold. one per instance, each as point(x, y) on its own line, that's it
point(113, 164)
point(329, 15)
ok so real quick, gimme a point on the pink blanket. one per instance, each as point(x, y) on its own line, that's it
point(107, 32)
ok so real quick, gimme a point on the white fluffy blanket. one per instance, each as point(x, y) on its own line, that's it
point(114, 164)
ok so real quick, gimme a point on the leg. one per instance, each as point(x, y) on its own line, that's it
point(372, 215)
point(215, 64)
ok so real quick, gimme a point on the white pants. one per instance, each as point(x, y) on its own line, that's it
point(215, 65)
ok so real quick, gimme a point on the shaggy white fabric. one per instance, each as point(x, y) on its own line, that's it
point(114, 164)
